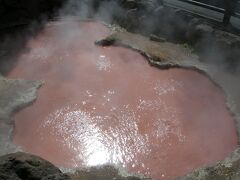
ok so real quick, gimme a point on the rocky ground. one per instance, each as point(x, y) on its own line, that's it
point(166, 37)
point(22, 166)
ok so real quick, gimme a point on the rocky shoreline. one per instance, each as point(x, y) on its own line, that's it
point(22, 166)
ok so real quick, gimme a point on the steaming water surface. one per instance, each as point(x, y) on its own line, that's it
point(107, 105)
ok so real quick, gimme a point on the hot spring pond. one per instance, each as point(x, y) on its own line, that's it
point(107, 105)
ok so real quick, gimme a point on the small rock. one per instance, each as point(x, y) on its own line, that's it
point(156, 38)
point(204, 28)
point(105, 42)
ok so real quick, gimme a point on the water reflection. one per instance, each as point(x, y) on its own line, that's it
point(107, 105)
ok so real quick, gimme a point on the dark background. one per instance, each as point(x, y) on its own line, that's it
point(219, 3)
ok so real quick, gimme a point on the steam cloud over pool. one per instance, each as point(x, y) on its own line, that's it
point(107, 105)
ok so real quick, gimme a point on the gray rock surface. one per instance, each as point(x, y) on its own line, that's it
point(22, 166)
point(229, 169)
point(157, 51)
point(14, 95)
point(106, 172)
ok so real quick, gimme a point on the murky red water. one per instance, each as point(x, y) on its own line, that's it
point(107, 105)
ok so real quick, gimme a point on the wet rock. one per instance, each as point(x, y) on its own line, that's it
point(105, 42)
point(22, 166)
point(156, 38)
point(16, 94)
point(103, 173)
point(158, 51)
point(229, 169)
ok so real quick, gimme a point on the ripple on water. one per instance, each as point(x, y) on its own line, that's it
point(107, 105)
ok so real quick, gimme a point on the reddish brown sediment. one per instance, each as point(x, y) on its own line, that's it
point(107, 105)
